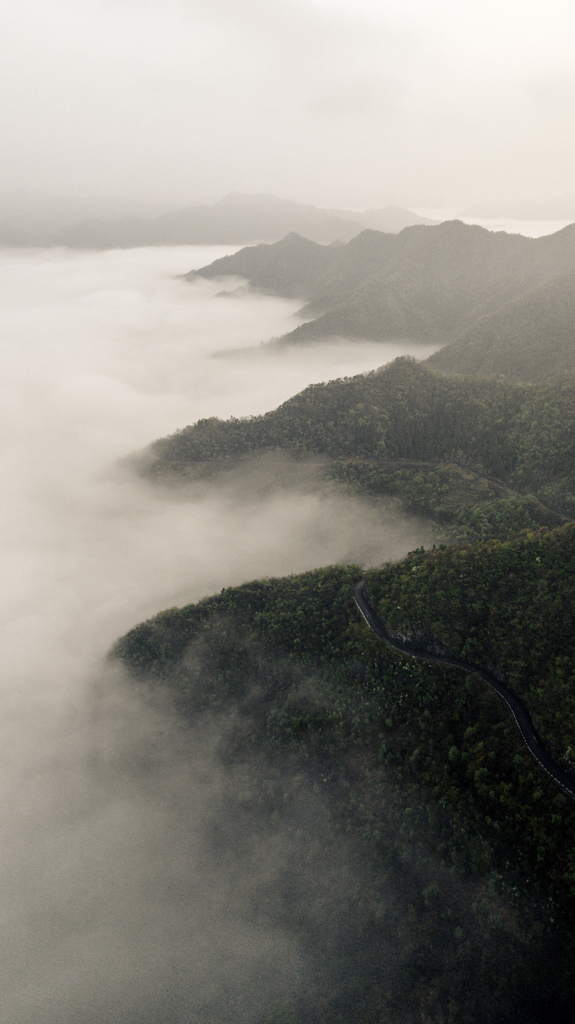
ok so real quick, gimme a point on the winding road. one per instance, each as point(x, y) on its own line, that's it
point(514, 706)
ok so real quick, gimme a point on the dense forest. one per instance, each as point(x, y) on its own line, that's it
point(420, 766)
point(480, 458)
point(411, 769)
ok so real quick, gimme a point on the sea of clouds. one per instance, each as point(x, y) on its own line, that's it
point(112, 910)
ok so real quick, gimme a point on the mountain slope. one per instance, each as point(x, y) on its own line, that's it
point(452, 283)
point(325, 277)
point(236, 219)
point(528, 338)
point(404, 411)
point(422, 767)
point(289, 267)
point(479, 458)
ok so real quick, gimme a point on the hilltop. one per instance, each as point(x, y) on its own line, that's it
point(500, 303)
point(467, 846)
point(479, 457)
point(467, 877)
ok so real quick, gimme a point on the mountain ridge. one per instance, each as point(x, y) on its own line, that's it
point(238, 218)
point(422, 767)
point(477, 457)
point(426, 283)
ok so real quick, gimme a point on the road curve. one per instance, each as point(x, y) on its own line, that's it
point(513, 705)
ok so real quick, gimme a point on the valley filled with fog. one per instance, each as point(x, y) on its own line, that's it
point(114, 910)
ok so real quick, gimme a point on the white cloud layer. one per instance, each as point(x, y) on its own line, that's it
point(112, 908)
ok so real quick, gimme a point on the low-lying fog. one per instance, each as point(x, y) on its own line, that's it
point(512, 225)
point(111, 911)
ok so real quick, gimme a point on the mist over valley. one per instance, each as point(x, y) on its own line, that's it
point(487, 462)
point(199, 816)
point(227, 811)
point(105, 802)
point(287, 369)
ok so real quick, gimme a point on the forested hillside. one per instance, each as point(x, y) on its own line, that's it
point(420, 765)
point(506, 298)
point(481, 457)
point(530, 338)
point(462, 846)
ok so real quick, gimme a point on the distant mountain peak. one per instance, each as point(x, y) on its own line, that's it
point(488, 297)
point(238, 218)
point(294, 240)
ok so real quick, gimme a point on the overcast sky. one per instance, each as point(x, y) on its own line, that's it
point(335, 102)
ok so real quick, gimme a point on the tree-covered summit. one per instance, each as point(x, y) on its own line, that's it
point(407, 419)
point(422, 767)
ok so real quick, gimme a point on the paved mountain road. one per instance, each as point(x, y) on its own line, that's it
point(513, 704)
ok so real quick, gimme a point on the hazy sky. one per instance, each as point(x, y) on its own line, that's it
point(357, 102)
